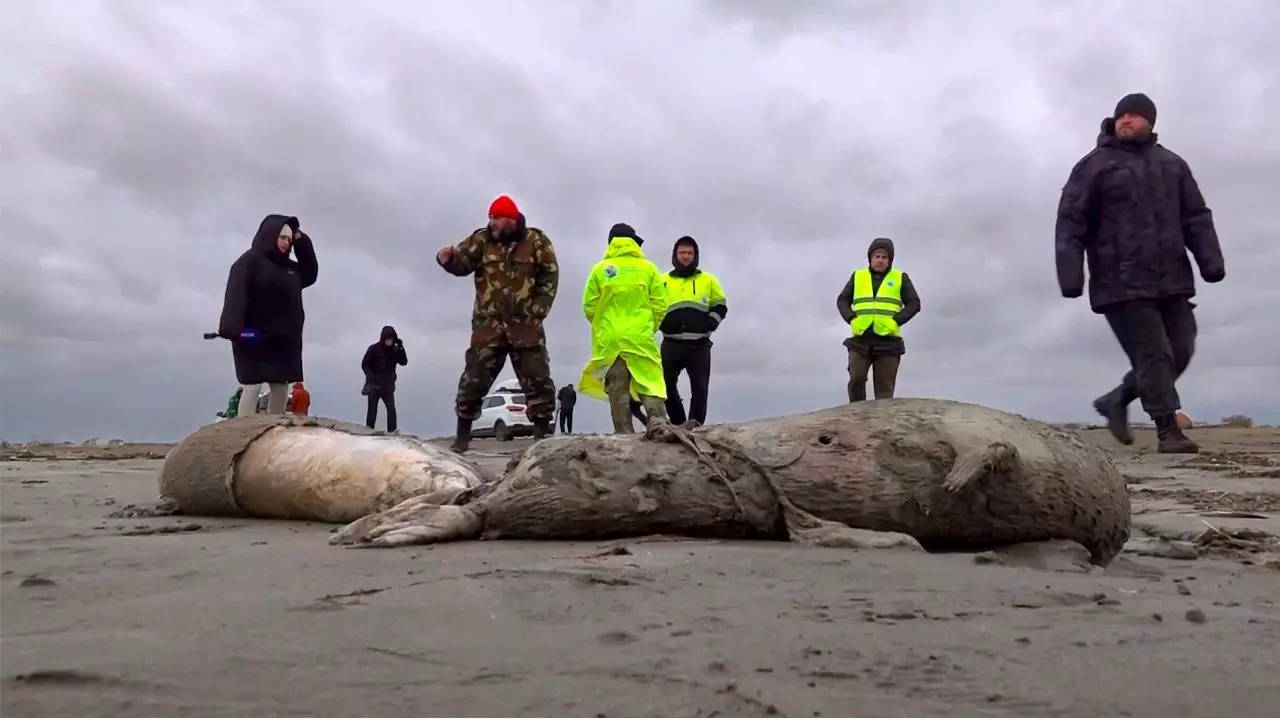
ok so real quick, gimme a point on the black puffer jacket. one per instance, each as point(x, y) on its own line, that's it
point(379, 363)
point(1134, 210)
point(264, 292)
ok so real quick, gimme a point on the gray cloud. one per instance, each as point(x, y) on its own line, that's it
point(145, 143)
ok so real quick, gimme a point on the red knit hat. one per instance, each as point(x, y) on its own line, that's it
point(504, 207)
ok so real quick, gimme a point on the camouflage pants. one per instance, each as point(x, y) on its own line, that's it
point(617, 383)
point(533, 369)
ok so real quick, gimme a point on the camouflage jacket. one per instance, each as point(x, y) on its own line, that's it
point(516, 283)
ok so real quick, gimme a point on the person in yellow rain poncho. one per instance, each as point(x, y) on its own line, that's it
point(625, 301)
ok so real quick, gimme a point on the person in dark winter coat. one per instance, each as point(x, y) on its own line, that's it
point(876, 302)
point(379, 365)
point(262, 311)
point(568, 397)
point(1132, 208)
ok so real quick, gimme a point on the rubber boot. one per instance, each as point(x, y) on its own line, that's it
point(617, 385)
point(656, 409)
point(541, 429)
point(1117, 416)
point(1170, 439)
point(463, 439)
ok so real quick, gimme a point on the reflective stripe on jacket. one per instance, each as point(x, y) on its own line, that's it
point(875, 310)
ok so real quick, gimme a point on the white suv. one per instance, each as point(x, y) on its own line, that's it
point(502, 413)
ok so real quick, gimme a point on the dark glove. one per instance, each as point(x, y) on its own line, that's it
point(1072, 292)
point(1214, 275)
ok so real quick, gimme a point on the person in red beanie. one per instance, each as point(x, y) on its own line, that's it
point(516, 277)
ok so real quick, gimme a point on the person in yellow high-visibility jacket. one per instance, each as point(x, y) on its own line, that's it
point(876, 302)
point(625, 301)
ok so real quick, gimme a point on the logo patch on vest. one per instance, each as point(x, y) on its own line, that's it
point(889, 283)
point(610, 271)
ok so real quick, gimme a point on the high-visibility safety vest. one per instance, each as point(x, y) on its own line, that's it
point(875, 310)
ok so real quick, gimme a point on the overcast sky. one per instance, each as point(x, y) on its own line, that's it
point(141, 143)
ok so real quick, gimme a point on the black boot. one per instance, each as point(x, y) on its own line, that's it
point(463, 439)
point(541, 429)
point(1170, 438)
point(1117, 416)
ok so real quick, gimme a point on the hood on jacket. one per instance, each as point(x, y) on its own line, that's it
point(1107, 136)
point(881, 243)
point(265, 240)
point(298, 386)
point(388, 332)
point(676, 269)
point(623, 245)
point(624, 230)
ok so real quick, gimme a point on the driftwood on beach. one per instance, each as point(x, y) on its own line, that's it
point(919, 472)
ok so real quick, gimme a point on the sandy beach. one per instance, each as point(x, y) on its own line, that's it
point(202, 616)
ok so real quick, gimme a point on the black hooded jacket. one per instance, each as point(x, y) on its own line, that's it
point(870, 341)
point(1133, 209)
point(689, 319)
point(379, 363)
point(264, 292)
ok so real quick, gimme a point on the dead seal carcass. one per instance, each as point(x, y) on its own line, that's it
point(281, 466)
point(945, 474)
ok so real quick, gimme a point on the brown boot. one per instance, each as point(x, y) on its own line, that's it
point(1171, 440)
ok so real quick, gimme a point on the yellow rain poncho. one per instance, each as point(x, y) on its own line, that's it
point(624, 301)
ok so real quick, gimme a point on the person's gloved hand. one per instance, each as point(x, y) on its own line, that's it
point(1072, 292)
point(1214, 274)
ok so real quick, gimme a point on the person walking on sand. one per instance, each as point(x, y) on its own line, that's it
point(262, 312)
point(516, 277)
point(695, 308)
point(1132, 208)
point(379, 366)
point(299, 400)
point(625, 300)
point(876, 302)
point(568, 397)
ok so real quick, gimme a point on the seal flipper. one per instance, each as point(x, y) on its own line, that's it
point(416, 521)
point(973, 464)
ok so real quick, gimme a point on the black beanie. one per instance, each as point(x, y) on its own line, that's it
point(625, 230)
point(1138, 104)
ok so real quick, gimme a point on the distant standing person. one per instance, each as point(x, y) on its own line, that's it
point(262, 311)
point(299, 400)
point(568, 397)
point(379, 365)
point(1133, 209)
point(876, 302)
point(695, 308)
point(516, 277)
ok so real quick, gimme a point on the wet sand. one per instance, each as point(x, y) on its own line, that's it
point(183, 616)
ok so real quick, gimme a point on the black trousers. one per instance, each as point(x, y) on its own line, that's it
point(566, 419)
point(692, 357)
point(1159, 336)
point(388, 398)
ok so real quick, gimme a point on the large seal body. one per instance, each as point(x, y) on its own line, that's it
point(950, 475)
point(279, 466)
